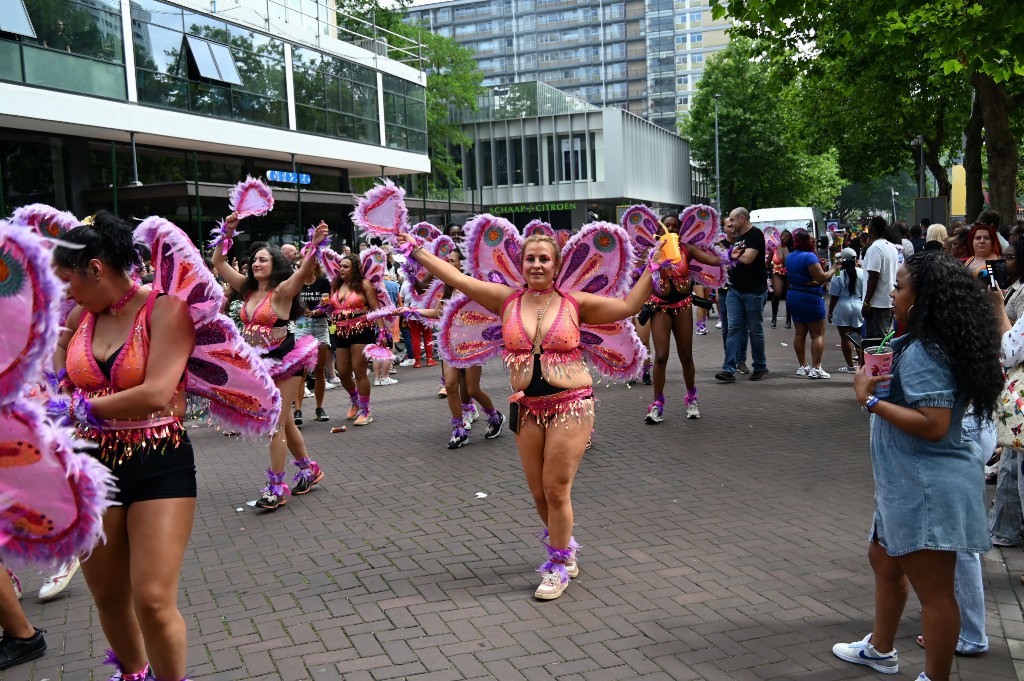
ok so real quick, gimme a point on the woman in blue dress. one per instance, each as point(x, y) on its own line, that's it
point(805, 302)
point(929, 480)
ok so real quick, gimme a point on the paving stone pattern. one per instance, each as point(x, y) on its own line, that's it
point(729, 548)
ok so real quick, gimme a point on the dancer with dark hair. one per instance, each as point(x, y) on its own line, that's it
point(929, 489)
point(672, 302)
point(352, 299)
point(462, 386)
point(276, 287)
point(111, 336)
point(780, 279)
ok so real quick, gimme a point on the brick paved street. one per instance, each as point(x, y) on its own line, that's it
point(733, 547)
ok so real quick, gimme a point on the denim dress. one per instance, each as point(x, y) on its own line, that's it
point(928, 495)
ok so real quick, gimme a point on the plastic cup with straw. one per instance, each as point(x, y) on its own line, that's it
point(878, 362)
point(669, 245)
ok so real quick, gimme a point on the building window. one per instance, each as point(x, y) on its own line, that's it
point(405, 114)
point(211, 61)
point(14, 18)
point(334, 97)
point(696, 40)
point(68, 45)
point(696, 19)
point(201, 64)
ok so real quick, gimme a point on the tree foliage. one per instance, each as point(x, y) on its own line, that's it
point(453, 79)
point(762, 163)
point(453, 82)
point(918, 60)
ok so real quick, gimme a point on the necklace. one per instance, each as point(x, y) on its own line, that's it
point(541, 312)
point(116, 307)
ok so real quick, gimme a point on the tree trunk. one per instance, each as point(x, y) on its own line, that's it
point(972, 163)
point(1000, 146)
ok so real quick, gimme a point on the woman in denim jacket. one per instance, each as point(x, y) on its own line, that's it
point(929, 486)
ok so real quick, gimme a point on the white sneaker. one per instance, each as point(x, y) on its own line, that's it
point(329, 386)
point(692, 410)
point(572, 566)
point(654, 414)
point(60, 580)
point(307, 393)
point(551, 586)
point(407, 362)
point(335, 381)
point(862, 652)
point(388, 381)
point(803, 371)
point(818, 372)
point(718, 325)
point(376, 381)
point(847, 370)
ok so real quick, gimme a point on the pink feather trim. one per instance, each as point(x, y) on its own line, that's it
point(378, 353)
point(250, 197)
point(382, 212)
point(48, 221)
point(302, 355)
point(382, 312)
point(225, 242)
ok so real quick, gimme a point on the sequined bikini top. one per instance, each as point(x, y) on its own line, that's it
point(563, 336)
point(258, 328)
point(351, 303)
point(129, 367)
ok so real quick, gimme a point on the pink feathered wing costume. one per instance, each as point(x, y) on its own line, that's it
point(223, 368)
point(52, 496)
point(596, 260)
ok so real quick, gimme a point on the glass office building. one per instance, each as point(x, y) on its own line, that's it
point(153, 107)
point(644, 56)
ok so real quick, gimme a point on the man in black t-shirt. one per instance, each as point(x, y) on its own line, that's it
point(748, 290)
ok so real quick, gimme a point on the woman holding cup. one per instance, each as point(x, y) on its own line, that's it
point(929, 483)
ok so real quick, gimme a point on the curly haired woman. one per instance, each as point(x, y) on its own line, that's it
point(929, 482)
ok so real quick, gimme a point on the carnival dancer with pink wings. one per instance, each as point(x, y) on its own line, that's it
point(52, 497)
point(132, 408)
point(270, 293)
point(670, 307)
point(546, 310)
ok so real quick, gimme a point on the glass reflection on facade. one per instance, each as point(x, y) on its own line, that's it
point(405, 114)
point(77, 47)
point(335, 97)
point(170, 72)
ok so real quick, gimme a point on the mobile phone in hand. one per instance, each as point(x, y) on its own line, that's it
point(997, 273)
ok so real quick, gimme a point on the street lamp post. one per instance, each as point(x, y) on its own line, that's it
point(922, 187)
point(718, 176)
point(894, 195)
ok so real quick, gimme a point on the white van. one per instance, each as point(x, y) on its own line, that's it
point(792, 218)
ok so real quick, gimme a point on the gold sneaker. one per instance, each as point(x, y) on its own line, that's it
point(363, 419)
point(353, 412)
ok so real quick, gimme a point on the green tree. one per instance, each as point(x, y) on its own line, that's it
point(453, 78)
point(453, 84)
point(981, 44)
point(761, 162)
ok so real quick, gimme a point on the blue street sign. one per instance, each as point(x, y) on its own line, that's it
point(288, 177)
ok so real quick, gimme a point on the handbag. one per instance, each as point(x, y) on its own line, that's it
point(1009, 414)
point(646, 312)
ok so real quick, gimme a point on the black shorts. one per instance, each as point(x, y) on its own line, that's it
point(168, 473)
point(364, 337)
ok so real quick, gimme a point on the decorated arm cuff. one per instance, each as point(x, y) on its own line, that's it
point(221, 238)
point(409, 249)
